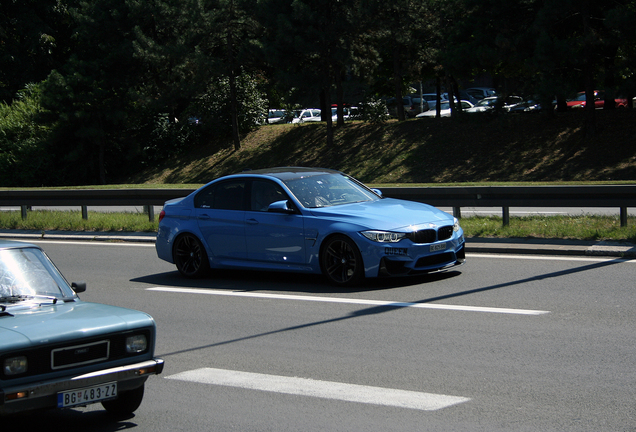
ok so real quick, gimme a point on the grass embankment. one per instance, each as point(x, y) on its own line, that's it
point(477, 150)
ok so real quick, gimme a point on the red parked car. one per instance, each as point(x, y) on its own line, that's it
point(599, 100)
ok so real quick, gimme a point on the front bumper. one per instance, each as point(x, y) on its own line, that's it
point(43, 394)
point(401, 259)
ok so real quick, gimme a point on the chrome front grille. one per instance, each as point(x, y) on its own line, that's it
point(80, 354)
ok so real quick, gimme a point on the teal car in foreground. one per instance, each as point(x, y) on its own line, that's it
point(57, 351)
point(310, 220)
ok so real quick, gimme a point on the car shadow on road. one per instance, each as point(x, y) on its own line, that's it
point(252, 280)
point(67, 420)
point(379, 309)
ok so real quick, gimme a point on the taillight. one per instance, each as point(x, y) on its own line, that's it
point(161, 215)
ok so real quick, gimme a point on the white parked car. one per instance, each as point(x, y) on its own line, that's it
point(489, 103)
point(275, 116)
point(445, 110)
point(349, 113)
point(307, 115)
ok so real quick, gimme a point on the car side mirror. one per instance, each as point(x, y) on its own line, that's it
point(78, 287)
point(378, 192)
point(280, 207)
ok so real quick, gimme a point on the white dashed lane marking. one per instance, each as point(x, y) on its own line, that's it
point(349, 301)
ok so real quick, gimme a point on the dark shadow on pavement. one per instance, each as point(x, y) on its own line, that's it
point(252, 280)
point(398, 305)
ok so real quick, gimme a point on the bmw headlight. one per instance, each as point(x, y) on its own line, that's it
point(136, 344)
point(456, 226)
point(383, 236)
point(15, 365)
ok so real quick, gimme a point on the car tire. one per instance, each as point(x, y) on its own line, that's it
point(190, 256)
point(341, 262)
point(126, 403)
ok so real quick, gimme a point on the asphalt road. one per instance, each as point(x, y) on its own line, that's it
point(505, 343)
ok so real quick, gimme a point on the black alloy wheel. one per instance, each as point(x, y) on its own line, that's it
point(341, 262)
point(190, 257)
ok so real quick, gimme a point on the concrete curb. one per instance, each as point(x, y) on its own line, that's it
point(134, 237)
point(551, 247)
point(473, 245)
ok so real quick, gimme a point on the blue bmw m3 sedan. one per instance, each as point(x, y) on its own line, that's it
point(310, 220)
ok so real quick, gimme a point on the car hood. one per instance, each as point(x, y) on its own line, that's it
point(387, 214)
point(26, 327)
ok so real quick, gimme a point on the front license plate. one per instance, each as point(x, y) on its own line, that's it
point(86, 395)
point(438, 247)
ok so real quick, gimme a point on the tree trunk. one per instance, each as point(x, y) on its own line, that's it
point(397, 83)
point(588, 75)
point(609, 55)
point(236, 137)
point(327, 98)
point(339, 100)
point(438, 98)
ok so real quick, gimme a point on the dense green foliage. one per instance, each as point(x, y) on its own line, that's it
point(93, 90)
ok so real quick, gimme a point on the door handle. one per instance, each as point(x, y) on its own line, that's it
point(251, 221)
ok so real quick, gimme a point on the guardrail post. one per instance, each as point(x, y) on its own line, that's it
point(85, 212)
point(457, 212)
point(23, 212)
point(506, 216)
point(151, 213)
point(623, 216)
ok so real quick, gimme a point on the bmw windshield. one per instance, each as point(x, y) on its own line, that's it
point(325, 190)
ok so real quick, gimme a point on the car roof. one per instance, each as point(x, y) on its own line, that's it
point(285, 173)
point(10, 244)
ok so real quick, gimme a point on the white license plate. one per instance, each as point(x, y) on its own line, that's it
point(86, 395)
point(438, 247)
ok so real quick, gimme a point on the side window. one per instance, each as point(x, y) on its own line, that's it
point(264, 193)
point(229, 195)
point(205, 198)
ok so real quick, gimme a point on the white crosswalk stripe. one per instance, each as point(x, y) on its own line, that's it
point(322, 389)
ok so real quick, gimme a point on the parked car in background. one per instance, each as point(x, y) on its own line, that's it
point(599, 100)
point(57, 351)
point(463, 95)
point(431, 100)
point(490, 103)
point(412, 106)
point(275, 116)
point(481, 92)
point(445, 109)
point(307, 115)
point(528, 106)
point(308, 220)
point(348, 112)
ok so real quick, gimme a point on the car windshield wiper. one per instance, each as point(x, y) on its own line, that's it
point(25, 297)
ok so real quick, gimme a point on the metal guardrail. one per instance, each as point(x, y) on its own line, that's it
point(610, 196)
point(620, 197)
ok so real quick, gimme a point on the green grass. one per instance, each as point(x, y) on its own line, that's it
point(585, 227)
point(46, 220)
